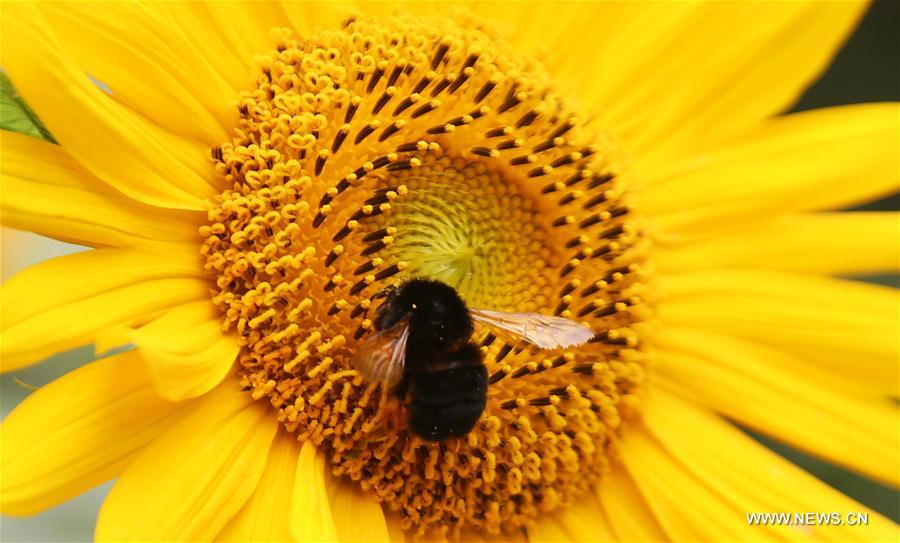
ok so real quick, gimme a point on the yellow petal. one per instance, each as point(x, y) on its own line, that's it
point(822, 243)
point(630, 518)
point(311, 516)
point(474, 536)
point(395, 528)
point(62, 303)
point(602, 66)
point(357, 516)
point(684, 506)
point(690, 463)
point(251, 37)
point(309, 17)
point(724, 70)
point(757, 387)
point(672, 75)
point(112, 141)
point(266, 515)
point(185, 350)
point(195, 477)
point(210, 51)
point(820, 159)
point(78, 432)
point(326, 508)
point(20, 249)
point(822, 322)
point(45, 190)
point(583, 521)
point(113, 41)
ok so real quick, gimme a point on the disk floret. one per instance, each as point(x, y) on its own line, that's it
point(394, 148)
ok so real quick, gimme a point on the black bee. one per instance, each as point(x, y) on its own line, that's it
point(423, 346)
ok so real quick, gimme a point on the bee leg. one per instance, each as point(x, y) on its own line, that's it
point(386, 292)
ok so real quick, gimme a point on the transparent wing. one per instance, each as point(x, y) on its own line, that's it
point(542, 330)
point(382, 357)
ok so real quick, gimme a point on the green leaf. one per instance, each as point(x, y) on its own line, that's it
point(16, 116)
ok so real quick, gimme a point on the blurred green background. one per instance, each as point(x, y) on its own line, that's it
point(866, 70)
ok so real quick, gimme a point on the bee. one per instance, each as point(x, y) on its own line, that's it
point(423, 347)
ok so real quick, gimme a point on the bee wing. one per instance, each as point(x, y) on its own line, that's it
point(542, 330)
point(382, 357)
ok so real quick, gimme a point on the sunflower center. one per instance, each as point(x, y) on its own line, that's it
point(399, 148)
point(465, 225)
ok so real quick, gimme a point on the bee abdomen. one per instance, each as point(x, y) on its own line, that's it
point(447, 403)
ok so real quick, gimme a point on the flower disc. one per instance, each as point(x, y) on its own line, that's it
point(399, 148)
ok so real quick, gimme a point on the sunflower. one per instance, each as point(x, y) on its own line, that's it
point(252, 177)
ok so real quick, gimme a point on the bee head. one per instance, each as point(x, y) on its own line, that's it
point(437, 314)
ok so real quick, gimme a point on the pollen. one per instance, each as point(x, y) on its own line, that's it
point(392, 148)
